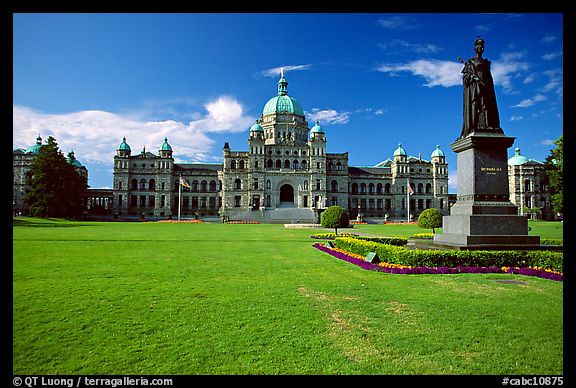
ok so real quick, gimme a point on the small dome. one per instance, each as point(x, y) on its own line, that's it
point(166, 146)
point(256, 127)
point(437, 152)
point(517, 159)
point(123, 146)
point(72, 159)
point(399, 151)
point(317, 128)
point(35, 149)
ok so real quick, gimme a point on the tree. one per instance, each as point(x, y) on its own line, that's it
point(554, 175)
point(334, 217)
point(430, 219)
point(58, 190)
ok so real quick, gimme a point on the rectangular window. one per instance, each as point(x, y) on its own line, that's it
point(428, 203)
point(133, 201)
point(194, 202)
point(142, 201)
point(212, 202)
point(317, 184)
point(388, 204)
point(151, 201)
point(237, 200)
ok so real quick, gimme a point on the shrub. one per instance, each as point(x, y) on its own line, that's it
point(335, 217)
point(398, 241)
point(430, 219)
point(452, 258)
point(331, 236)
point(423, 236)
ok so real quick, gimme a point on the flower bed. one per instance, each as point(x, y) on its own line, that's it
point(183, 221)
point(242, 222)
point(332, 236)
point(423, 236)
point(383, 266)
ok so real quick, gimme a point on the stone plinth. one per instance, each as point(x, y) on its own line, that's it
point(483, 214)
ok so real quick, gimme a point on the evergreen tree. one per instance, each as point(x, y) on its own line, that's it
point(58, 190)
point(554, 175)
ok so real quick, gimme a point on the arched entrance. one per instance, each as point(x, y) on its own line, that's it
point(286, 195)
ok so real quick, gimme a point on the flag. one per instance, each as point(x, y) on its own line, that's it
point(184, 183)
point(410, 191)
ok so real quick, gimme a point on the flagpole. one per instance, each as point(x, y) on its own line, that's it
point(408, 197)
point(179, 194)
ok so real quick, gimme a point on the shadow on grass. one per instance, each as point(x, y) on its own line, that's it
point(46, 222)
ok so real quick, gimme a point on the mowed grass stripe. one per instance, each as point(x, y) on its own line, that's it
point(258, 299)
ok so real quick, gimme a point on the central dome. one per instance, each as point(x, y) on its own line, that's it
point(283, 103)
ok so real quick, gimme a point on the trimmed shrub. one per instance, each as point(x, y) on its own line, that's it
point(430, 219)
point(452, 258)
point(335, 217)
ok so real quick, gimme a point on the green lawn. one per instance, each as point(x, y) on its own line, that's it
point(159, 298)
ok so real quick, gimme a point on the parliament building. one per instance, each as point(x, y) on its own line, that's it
point(285, 175)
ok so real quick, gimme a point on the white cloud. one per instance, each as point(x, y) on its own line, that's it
point(328, 116)
point(419, 48)
point(516, 118)
point(548, 142)
point(548, 38)
point(506, 67)
point(529, 101)
point(552, 55)
point(435, 72)
point(95, 135)
point(398, 23)
point(275, 72)
point(452, 181)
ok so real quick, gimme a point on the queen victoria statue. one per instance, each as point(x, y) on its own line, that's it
point(480, 108)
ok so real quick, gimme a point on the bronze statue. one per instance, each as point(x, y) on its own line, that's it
point(480, 108)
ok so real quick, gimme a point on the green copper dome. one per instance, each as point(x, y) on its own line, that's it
point(35, 149)
point(283, 103)
point(317, 128)
point(123, 146)
point(256, 127)
point(165, 145)
point(399, 151)
point(72, 159)
point(517, 159)
point(437, 152)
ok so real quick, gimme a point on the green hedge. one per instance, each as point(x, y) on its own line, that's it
point(551, 241)
point(453, 258)
point(398, 241)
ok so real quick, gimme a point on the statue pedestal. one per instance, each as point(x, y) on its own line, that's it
point(483, 216)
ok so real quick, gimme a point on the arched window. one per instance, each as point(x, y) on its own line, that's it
point(269, 163)
point(203, 186)
point(152, 185)
point(233, 165)
point(420, 188)
point(268, 184)
point(134, 184)
point(362, 188)
point(306, 185)
point(278, 163)
point(354, 188)
point(237, 184)
point(212, 185)
point(304, 165)
point(387, 188)
point(241, 165)
point(295, 165)
point(194, 186)
point(143, 184)
point(371, 188)
point(428, 188)
point(330, 166)
point(334, 186)
point(339, 166)
point(286, 163)
point(379, 188)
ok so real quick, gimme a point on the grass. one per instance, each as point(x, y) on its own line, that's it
point(158, 298)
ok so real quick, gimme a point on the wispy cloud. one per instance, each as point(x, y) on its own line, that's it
point(530, 101)
point(328, 116)
point(274, 72)
point(548, 142)
point(506, 67)
point(554, 83)
point(548, 38)
point(94, 135)
point(418, 48)
point(435, 72)
point(398, 23)
point(552, 55)
point(516, 118)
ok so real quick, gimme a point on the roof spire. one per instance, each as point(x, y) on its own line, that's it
point(282, 84)
point(282, 72)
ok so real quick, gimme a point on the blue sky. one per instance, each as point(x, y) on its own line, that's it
point(373, 80)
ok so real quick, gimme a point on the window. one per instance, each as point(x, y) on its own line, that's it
point(428, 203)
point(354, 188)
point(143, 184)
point(162, 200)
point(119, 185)
point(286, 163)
point(387, 188)
point(120, 200)
point(268, 185)
point(133, 201)
point(306, 185)
point(255, 164)
point(186, 202)
point(334, 186)
point(269, 163)
point(330, 166)
point(134, 184)
point(152, 185)
point(237, 184)
point(428, 188)
point(379, 203)
point(237, 200)
point(304, 165)
point(212, 186)
point(212, 202)
point(339, 166)
point(362, 188)
point(255, 183)
point(241, 165)
point(194, 186)
point(278, 163)
point(295, 165)
point(371, 188)
point(318, 184)
point(388, 204)
point(142, 201)
point(194, 202)
point(420, 188)
point(379, 188)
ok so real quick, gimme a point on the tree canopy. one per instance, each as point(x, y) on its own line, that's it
point(430, 219)
point(554, 175)
point(58, 190)
point(335, 217)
